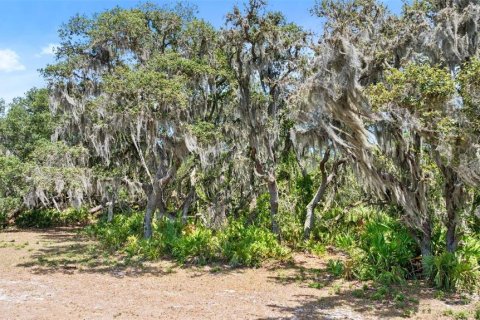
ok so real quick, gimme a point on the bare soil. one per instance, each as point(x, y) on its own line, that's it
point(58, 274)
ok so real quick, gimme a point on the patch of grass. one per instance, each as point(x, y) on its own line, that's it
point(359, 293)
point(460, 315)
point(316, 285)
point(335, 268)
point(448, 313)
point(336, 289)
point(380, 293)
point(215, 269)
point(476, 312)
point(407, 313)
point(440, 295)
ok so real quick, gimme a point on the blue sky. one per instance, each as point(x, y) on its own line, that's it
point(28, 31)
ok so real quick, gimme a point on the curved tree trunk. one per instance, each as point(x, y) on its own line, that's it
point(161, 180)
point(309, 218)
point(326, 180)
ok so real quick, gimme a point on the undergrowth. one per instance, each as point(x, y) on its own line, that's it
point(47, 218)
point(239, 244)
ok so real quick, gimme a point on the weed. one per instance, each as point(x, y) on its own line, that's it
point(316, 285)
point(335, 267)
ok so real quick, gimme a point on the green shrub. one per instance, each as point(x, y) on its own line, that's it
point(7, 204)
point(387, 245)
point(380, 293)
point(461, 315)
point(261, 215)
point(3, 220)
point(379, 247)
point(451, 271)
point(114, 235)
point(239, 244)
point(166, 234)
point(47, 218)
point(147, 249)
point(74, 216)
point(335, 267)
point(396, 275)
point(384, 251)
point(44, 218)
point(249, 245)
point(315, 248)
point(198, 246)
point(459, 270)
point(344, 241)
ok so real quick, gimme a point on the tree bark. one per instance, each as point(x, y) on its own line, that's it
point(151, 207)
point(454, 195)
point(161, 180)
point(326, 180)
point(95, 209)
point(454, 199)
point(273, 191)
point(187, 203)
point(111, 205)
point(309, 218)
point(425, 243)
point(161, 208)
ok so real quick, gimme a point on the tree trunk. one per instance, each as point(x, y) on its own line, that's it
point(454, 202)
point(454, 195)
point(161, 180)
point(451, 237)
point(151, 207)
point(186, 205)
point(273, 191)
point(309, 218)
point(326, 180)
point(111, 205)
point(161, 208)
point(425, 244)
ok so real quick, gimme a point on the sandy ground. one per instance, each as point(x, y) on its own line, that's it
point(57, 274)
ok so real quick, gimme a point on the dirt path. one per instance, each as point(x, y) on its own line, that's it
point(57, 274)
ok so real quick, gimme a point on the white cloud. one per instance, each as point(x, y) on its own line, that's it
point(16, 84)
point(10, 61)
point(49, 50)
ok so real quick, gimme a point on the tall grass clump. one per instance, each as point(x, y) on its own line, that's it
point(378, 246)
point(457, 271)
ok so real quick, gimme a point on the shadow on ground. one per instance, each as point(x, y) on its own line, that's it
point(345, 305)
point(340, 299)
point(66, 250)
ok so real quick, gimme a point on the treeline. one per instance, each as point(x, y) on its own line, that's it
point(375, 119)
